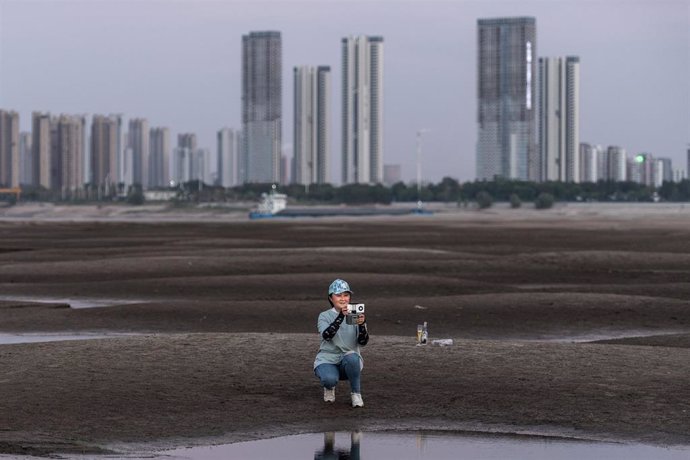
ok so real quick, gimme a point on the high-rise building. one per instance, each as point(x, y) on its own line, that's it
point(642, 169)
point(590, 158)
point(311, 139)
point(199, 166)
point(40, 149)
point(180, 165)
point(679, 175)
point(506, 146)
point(185, 162)
point(121, 145)
point(616, 164)
point(227, 166)
point(362, 110)
point(105, 140)
point(559, 102)
point(67, 152)
point(139, 142)
point(261, 106)
point(187, 140)
point(665, 169)
point(159, 152)
point(25, 159)
point(9, 148)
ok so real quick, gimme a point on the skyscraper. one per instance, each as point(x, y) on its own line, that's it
point(665, 171)
point(189, 163)
point(67, 152)
point(186, 140)
point(227, 166)
point(641, 169)
point(506, 95)
point(616, 160)
point(9, 148)
point(159, 153)
point(40, 149)
point(261, 106)
point(311, 149)
point(590, 162)
point(104, 149)
point(362, 110)
point(140, 145)
point(25, 159)
point(559, 109)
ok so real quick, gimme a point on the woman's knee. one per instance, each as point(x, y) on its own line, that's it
point(353, 363)
point(327, 379)
point(352, 358)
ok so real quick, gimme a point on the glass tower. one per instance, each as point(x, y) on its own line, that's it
point(261, 106)
point(506, 99)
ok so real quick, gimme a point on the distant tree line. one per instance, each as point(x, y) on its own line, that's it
point(501, 190)
point(448, 190)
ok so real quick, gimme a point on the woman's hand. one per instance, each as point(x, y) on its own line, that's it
point(361, 318)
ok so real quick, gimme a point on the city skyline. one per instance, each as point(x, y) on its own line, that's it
point(186, 73)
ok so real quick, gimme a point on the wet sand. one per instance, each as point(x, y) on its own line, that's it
point(225, 318)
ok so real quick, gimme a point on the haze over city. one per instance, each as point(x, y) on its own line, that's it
point(178, 64)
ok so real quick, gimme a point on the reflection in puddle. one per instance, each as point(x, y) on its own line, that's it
point(73, 303)
point(8, 338)
point(422, 446)
point(330, 451)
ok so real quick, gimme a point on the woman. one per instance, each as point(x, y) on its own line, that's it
point(339, 356)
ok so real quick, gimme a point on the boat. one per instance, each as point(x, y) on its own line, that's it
point(271, 205)
point(274, 205)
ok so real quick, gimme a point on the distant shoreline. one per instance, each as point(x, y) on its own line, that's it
point(239, 211)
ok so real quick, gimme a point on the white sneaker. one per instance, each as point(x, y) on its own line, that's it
point(328, 395)
point(357, 400)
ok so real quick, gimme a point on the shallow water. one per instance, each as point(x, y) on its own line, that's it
point(10, 338)
point(422, 446)
point(72, 302)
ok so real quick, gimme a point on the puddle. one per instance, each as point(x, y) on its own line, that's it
point(35, 337)
point(72, 302)
point(418, 446)
point(606, 335)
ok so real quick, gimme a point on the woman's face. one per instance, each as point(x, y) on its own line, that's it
point(340, 300)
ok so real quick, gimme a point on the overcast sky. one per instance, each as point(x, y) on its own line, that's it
point(177, 63)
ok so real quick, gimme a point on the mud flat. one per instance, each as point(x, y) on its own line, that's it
point(221, 323)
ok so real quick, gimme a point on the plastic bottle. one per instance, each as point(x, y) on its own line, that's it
point(425, 334)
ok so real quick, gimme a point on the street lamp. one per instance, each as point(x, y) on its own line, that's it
point(419, 166)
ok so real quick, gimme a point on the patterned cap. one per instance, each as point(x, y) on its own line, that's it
point(338, 287)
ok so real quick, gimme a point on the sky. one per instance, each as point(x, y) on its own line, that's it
point(178, 64)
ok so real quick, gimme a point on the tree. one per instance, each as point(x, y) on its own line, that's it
point(515, 201)
point(484, 200)
point(544, 201)
point(135, 195)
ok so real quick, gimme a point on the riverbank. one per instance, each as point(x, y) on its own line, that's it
point(238, 211)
